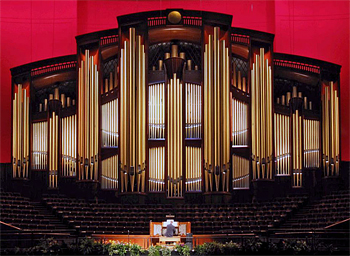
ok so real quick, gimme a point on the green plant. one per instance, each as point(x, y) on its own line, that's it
point(85, 246)
point(230, 248)
point(252, 246)
point(166, 251)
point(48, 246)
point(135, 249)
point(199, 249)
point(183, 249)
point(118, 249)
point(213, 248)
point(301, 247)
point(154, 250)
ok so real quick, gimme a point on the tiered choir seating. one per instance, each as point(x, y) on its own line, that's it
point(239, 218)
point(20, 212)
point(205, 219)
point(320, 214)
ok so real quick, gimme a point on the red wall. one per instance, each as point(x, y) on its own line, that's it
point(47, 29)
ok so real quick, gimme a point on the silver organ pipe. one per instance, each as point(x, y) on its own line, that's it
point(282, 144)
point(193, 110)
point(239, 123)
point(156, 169)
point(109, 178)
point(39, 151)
point(311, 143)
point(193, 169)
point(156, 111)
point(110, 124)
point(69, 135)
point(240, 172)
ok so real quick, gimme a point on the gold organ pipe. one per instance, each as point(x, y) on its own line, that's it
point(111, 84)
point(132, 94)
point(88, 119)
point(106, 85)
point(206, 176)
point(253, 121)
point(189, 64)
point(14, 137)
point(175, 138)
point(174, 50)
point(216, 105)
point(210, 111)
point(20, 139)
point(330, 130)
point(326, 131)
point(261, 118)
point(239, 85)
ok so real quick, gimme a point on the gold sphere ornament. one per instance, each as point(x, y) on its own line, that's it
point(174, 17)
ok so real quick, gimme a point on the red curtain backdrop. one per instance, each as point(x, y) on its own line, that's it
point(35, 30)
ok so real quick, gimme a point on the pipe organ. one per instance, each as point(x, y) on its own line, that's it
point(261, 91)
point(109, 178)
point(193, 110)
point(111, 81)
point(20, 132)
point(133, 118)
point(239, 123)
point(156, 109)
point(53, 142)
point(39, 152)
point(88, 118)
point(68, 140)
point(193, 169)
point(110, 124)
point(238, 80)
point(169, 107)
point(156, 169)
point(297, 147)
point(282, 144)
point(216, 114)
point(54, 113)
point(175, 137)
point(330, 130)
point(311, 143)
point(240, 172)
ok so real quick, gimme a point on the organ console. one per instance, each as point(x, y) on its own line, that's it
point(173, 107)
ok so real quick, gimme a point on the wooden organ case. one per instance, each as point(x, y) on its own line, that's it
point(172, 105)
